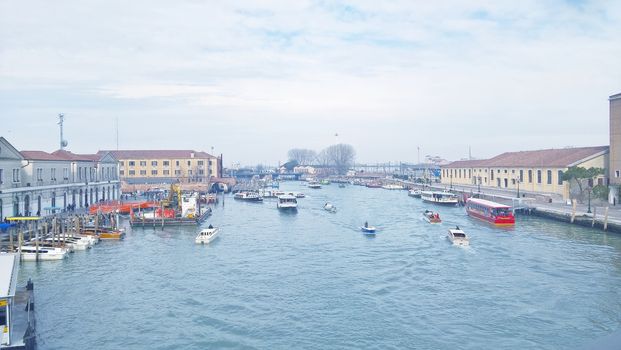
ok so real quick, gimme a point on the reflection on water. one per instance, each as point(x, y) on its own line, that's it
point(311, 279)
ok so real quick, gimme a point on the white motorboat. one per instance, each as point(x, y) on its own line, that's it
point(207, 235)
point(29, 253)
point(287, 202)
point(414, 193)
point(314, 185)
point(431, 217)
point(74, 243)
point(329, 207)
point(439, 197)
point(458, 237)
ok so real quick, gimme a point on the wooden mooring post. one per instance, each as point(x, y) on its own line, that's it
point(573, 210)
point(606, 219)
point(594, 215)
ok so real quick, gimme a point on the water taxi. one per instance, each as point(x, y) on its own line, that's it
point(325, 182)
point(414, 193)
point(314, 185)
point(431, 217)
point(447, 198)
point(458, 237)
point(207, 235)
point(42, 253)
point(492, 212)
point(287, 202)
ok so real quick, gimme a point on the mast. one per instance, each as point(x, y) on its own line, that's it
point(61, 120)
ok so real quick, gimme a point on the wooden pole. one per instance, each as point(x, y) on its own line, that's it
point(606, 219)
point(594, 215)
point(573, 210)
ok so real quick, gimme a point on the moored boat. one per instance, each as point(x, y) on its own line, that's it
point(447, 198)
point(414, 193)
point(392, 187)
point(314, 185)
point(44, 252)
point(458, 237)
point(248, 196)
point(431, 217)
point(492, 212)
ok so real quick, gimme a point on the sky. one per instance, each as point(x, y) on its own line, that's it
point(253, 79)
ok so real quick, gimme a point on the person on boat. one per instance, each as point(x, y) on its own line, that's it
point(456, 227)
point(210, 226)
point(366, 224)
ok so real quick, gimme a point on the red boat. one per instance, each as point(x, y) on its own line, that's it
point(492, 212)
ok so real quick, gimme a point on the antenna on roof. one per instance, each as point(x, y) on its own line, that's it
point(469, 152)
point(117, 133)
point(61, 120)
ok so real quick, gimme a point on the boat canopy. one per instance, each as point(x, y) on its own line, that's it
point(8, 275)
point(486, 203)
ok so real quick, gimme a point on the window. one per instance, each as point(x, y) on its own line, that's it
point(122, 172)
point(143, 163)
point(505, 171)
point(521, 175)
point(491, 174)
point(153, 172)
point(121, 163)
point(617, 173)
point(15, 175)
point(53, 174)
point(132, 172)
point(154, 163)
point(166, 163)
point(143, 172)
point(530, 176)
point(201, 172)
point(538, 176)
point(560, 177)
point(132, 163)
point(39, 174)
point(201, 162)
point(166, 172)
point(549, 177)
point(177, 172)
point(189, 172)
point(65, 173)
point(189, 162)
point(210, 162)
point(80, 173)
point(1, 180)
point(177, 163)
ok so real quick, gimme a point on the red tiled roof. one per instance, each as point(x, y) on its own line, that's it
point(562, 158)
point(39, 155)
point(156, 154)
point(66, 155)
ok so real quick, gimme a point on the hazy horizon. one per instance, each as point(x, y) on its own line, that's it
point(255, 79)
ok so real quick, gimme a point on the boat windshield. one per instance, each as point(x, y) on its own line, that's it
point(459, 234)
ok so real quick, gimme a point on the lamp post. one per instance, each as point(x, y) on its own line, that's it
point(451, 182)
point(589, 192)
point(517, 181)
point(479, 184)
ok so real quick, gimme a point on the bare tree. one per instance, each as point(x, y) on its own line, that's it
point(302, 156)
point(341, 156)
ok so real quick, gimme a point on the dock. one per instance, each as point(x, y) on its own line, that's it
point(17, 318)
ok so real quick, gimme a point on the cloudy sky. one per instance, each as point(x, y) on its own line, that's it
point(253, 79)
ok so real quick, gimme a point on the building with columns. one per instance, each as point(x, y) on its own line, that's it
point(37, 182)
point(614, 171)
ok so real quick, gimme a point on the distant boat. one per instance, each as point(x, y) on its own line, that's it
point(325, 182)
point(329, 207)
point(374, 185)
point(287, 202)
point(492, 212)
point(341, 185)
point(29, 253)
point(458, 237)
point(431, 217)
point(392, 187)
point(248, 196)
point(314, 185)
point(368, 230)
point(207, 235)
point(414, 193)
point(439, 197)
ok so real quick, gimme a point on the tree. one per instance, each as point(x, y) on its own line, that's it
point(302, 156)
point(341, 156)
point(579, 174)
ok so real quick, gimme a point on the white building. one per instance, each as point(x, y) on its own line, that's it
point(38, 183)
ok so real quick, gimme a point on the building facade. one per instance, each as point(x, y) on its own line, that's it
point(166, 166)
point(41, 183)
point(614, 173)
point(538, 171)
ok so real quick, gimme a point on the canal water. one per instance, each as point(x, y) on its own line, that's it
point(311, 280)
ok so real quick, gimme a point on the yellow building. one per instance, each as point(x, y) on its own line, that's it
point(165, 166)
point(538, 171)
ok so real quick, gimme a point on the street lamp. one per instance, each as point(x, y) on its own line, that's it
point(517, 181)
point(589, 192)
point(479, 184)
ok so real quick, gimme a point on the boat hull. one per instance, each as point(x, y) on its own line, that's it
point(498, 221)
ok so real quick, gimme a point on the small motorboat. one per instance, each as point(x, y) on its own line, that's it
point(341, 185)
point(329, 207)
point(300, 195)
point(431, 217)
point(368, 230)
point(314, 185)
point(458, 237)
point(207, 235)
point(249, 196)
